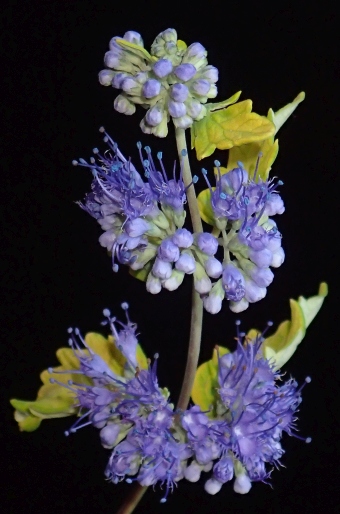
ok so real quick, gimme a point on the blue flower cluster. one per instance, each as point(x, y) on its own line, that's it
point(143, 220)
point(143, 228)
point(174, 81)
point(154, 444)
point(242, 209)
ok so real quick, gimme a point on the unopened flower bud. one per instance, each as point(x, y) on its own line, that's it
point(176, 109)
point(105, 77)
point(213, 267)
point(201, 87)
point(212, 486)
point(186, 263)
point(179, 92)
point(262, 258)
point(278, 258)
point(176, 279)
point(207, 243)
point(168, 251)
point(123, 105)
point(242, 484)
point(153, 284)
point(136, 227)
point(185, 71)
point(183, 238)
point(151, 88)
point(162, 68)
point(162, 269)
point(109, 434)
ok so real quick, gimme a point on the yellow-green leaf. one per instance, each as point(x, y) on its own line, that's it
point(204, 391)
point(281, 116)
point(204, 206)
point(137, 50)
point(248, 154)
point(234, 126)
point(280, 346)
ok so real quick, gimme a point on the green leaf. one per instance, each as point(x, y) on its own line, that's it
point(204, 391)
point(234, 126)
point(205, 208)
point(248, 154)
point(281, 116)
point(281, 346)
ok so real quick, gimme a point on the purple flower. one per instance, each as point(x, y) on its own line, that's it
point(233, 282)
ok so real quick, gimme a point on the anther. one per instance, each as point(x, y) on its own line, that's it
point(75, 163)
point(106, 313)
point(101, 129)
point(125, 306)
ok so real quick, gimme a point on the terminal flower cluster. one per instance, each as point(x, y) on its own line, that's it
point(173, 81)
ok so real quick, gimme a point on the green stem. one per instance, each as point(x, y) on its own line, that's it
point(197, 304)
point(187, 179)
point(132, 500)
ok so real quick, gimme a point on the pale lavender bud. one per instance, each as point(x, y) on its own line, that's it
point(213, 302)
point(242, 484)
point(129, 83)
point(210, 73)
point(105, 77)
point(261, 258)
point(186, 263)
point(195, 52)
point(154, 115)
point(212, 486)
point(168, 251)
point(153, 284)
point(114, 46)
point(136, 227)
point(111, 59)
point(161, 269)
point(185, 71)
point(194, 108)
point(254, 293)
point(207, 243)
point(278, 258)
point(162, 68)
point(263, 277)
point(179, 92)
point(193, 472)
point(151, 88)
point(201, 87)
point(123, 105)
point(109, 434)
point(118, 79)
point(107, 239)
point(274, 242)
point(202, 282)
point(173, 283)
point(183, 122)
point(234, 179)
point(213, 267)
point(176, 109)
point(183, 238)
point(133, 37)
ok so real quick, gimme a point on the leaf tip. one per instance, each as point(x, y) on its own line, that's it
point(323, 289)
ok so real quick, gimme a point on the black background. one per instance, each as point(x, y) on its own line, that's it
point(57, 275)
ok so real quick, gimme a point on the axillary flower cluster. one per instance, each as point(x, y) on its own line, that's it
point(240, 406)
